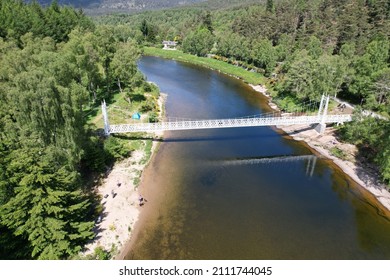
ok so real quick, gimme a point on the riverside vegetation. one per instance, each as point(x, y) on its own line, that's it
point(57, 65)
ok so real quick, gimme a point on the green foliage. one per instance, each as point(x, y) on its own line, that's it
point(337, 152)
point(270, 6)
point(264, 55)
point(18, 18)
point(116, 148)
point(95, 157)
point(287, 103)
point(147, 106)
point(148, 31)
point(372, 136)
point(46, 146)
point(101, 254)
point(124, 64)
point(199, 42)
point(153, 117)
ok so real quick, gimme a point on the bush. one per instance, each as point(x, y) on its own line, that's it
point(153, 117)
point(101, 254)
point(337, 152)
point(116, 148)
point(147, 106)
point(95, 155)
point(287, 104)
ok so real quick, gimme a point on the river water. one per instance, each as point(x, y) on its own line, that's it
point(225, 193)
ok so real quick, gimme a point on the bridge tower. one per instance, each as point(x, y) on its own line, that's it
point(321, 105)
point(105, 119)
point(322, 113)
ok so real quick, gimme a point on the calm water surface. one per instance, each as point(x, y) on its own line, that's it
point(206, 201)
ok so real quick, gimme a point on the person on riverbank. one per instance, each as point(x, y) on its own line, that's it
point(140, 200)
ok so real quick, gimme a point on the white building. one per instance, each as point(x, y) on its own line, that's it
point(169, 45)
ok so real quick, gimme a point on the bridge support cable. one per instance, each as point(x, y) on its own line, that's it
point(267, 119)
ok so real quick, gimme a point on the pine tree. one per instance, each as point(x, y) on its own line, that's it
point(270, 6)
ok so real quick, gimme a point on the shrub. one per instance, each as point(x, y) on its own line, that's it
point(101, 254)
point(337, 152)
point(116, 148)
point(147, 106)
point(153, 117)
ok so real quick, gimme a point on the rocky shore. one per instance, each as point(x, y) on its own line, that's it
point(362, 173)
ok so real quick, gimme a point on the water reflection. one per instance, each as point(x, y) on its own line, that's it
point(246, 193)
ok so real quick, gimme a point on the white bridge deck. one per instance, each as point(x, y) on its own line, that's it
point(227, 123)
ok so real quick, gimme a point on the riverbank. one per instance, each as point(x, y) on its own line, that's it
point(329, 146)
point(221, 66)
point(120, 194)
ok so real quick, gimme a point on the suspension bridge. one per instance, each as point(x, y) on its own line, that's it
point(299, 116)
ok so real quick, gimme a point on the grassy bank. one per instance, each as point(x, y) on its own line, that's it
point(120, 111)
point(226, 68)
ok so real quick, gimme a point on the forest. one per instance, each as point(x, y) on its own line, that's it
point(304, 48)
point(55, 69)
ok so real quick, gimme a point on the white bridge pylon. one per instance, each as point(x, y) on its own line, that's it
point(322, 118)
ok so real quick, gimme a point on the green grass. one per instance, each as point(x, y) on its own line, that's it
point(224, 67)
point(119, 110)
point(337, 152)
point(148, 151)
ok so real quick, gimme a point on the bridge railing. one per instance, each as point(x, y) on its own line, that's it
point(226, 123)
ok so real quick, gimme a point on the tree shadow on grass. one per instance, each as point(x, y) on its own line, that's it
point(137, 97)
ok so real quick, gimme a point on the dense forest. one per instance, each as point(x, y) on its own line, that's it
point(55, 65)
point(305, 48)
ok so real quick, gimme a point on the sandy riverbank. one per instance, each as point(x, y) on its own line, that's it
point(364, 175)
point(120, 197)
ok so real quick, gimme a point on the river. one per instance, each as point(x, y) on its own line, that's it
point(225, 193)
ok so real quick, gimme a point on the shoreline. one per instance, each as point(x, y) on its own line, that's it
point(120, 198)
point(121, 215)
point(321, 144)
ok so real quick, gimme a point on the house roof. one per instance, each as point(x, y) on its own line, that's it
point(171, 43)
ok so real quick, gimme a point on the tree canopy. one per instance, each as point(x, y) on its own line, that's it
point(54, 63)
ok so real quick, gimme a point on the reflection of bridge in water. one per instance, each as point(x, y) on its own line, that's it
point(299, 116)
point(311, 161)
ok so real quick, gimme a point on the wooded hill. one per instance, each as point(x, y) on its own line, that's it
point(120, 6)
point(55, 68)
point(306, 48)
point(100, 7)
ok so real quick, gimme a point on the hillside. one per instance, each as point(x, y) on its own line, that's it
point(123, 6)
point(74, 3)
point(100, 7)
